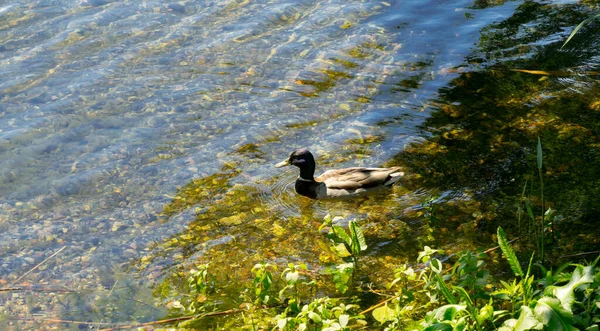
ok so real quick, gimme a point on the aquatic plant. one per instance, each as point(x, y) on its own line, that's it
point(263, 279)
point(346, 245)
point(200, 283)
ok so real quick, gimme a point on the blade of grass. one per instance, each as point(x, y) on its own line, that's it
point(539, 153)
point(542, 233)
point(579, 26)
point(520, 208)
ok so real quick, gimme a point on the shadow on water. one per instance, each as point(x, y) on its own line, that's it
point(483, 132)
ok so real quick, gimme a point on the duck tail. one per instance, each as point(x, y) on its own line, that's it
point(393, 178)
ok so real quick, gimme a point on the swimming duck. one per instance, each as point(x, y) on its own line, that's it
point(337, 183)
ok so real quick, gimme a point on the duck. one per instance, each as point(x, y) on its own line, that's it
point(337, 183)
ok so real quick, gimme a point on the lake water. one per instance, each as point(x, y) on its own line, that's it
point(141, 135)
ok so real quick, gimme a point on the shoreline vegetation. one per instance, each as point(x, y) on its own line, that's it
point(438, 292)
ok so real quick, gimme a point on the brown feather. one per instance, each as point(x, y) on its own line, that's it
point(356, 178)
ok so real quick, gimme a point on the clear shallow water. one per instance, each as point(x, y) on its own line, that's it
point(108, 109)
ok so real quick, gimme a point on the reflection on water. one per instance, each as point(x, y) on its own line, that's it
point(141, 136)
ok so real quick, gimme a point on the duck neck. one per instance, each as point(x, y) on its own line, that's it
point(307, 173)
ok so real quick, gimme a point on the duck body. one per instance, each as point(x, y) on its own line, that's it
point(340, 183)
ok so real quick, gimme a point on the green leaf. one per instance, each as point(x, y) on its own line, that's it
point(426, 253)
point(341, 276)
point(529, 211)
point(461, 325)
point(529, 265)
point(486, 312)
point(509, 254)
point(539, 153)
point(267, 280)
point(436, 266)
point(447, 312)
point(291, 277)
point(440, 327)
point(384, 314)
point(445, 290)
point(527, 320)
point(463, 294)
point(341, 250)
point(341, 234)
point(282, 292)
point(579, 26)
point(326, 222)
point(524, 189)
point(581, 275)
point(508, 325)
point(314, 317)
point(358, 235)
point(344, 318)
point(549, 311)
point(281, 323)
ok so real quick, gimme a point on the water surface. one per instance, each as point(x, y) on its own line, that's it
point(141, 136)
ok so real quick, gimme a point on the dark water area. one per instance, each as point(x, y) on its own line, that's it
point(138, 140)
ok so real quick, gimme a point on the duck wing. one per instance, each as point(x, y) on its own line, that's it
point(358, 177)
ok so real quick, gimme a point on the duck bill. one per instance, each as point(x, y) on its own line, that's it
point(283, 164)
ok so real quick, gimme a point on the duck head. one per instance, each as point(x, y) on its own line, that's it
point(300, 158)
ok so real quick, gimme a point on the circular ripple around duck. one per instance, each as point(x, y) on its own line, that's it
point(280, 197)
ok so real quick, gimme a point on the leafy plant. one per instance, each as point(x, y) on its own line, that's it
point(324, 314)
point(399, 312)
point(551, 309)
point(470, 272)
point(200, 282)
point(346, 245)
point(465, 298)
point(291, 276)
point(263, 279)
point(342, 275)
point(427, 297)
